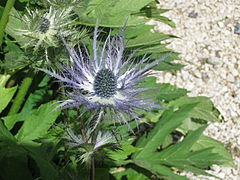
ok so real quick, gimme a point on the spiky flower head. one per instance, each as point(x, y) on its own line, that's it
point(106, 81)
point(42, 29)
point(87, 146)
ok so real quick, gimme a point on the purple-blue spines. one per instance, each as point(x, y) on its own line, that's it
point(105, 83)
point(106, 80)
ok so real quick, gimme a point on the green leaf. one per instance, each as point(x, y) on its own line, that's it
point(129, 173)
point(182, 147)
point(38, 122)
point(134, 14)
point(151, 11)
point(6, 95)
point(190, 125)
point(41, 95)
point(47, 170)
point(152, 116)
point(104, 11)
point(10, 121)
point(165, 20)
point(167, 123)
point(218, 147)
point(144, 37)
point(3, 79)
point(120, 155)
point(162, 91)
point(1, 11)
point(14, 23)
point(102, 173)
point(14, 56)
point(179, 155)
point(5, 135)
point(14, 165)
point(203, 110)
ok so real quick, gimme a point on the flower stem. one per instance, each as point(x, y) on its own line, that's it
point(27, 81)
point(93, 169)
point(4, 19)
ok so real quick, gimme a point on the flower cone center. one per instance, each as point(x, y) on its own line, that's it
point(105, 83)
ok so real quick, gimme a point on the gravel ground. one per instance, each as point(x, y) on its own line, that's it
point(209, 46)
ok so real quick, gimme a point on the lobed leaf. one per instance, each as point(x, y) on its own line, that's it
point(218, 147)
point(37, 123)
point(163, 91)
point(120, 155)
point(6, 94)
point(169, 121)
point(203, 110)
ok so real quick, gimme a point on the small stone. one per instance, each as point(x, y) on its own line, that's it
point(238, 141)
point(204, 75)
point(221, 24)
point(237, 29)
point(221, 175)
point(193, 14)
point(230, 78)
point(216, 168)
point(235, 72)
point(213, 60)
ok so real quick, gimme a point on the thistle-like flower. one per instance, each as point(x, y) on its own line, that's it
point(87, 146)
point(108, 80)
point(43, 29)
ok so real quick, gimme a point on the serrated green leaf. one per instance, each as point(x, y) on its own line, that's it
point(157, 48)
point(37, 122)
point(47, 170)
point(218, 147)
point(102, 173)
point(203, 110)
point(152, 117)
point(14, 165)
point(151, 11)
point(14, 23)
point(182, 147)
point(188, 160)
point(177, 155)
point(148, 38)
point(3, 79)
point(1, 11)
point(165, 20)
point(167, 123)
point(120, 155)
point(181, 156)
point(128, 173)
point(190, 125)
point(39, 96)
point(9, 121)
point(104, 11)
point(14, 56)
point(5, 135)
point(162, 91)
point(6, 95)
